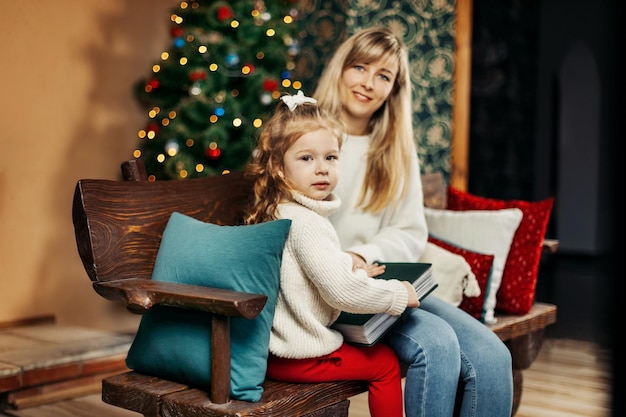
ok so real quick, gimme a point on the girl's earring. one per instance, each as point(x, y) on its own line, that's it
point(280, 174)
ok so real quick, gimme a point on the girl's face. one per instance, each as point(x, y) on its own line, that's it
point(311, 164)
point(363, 89)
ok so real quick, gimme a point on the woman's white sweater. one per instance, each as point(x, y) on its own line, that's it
point(396, 234)
point(317, 283)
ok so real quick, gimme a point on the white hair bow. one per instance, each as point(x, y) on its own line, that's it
point(293, 101)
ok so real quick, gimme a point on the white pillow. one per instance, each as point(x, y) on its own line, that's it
point(486, 231)
point(453, 274)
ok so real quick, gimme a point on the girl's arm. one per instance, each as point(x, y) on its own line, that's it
point(316, 248)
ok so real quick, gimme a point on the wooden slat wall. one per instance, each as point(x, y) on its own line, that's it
point(459, 152)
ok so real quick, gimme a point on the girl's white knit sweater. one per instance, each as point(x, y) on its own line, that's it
point(317, 283)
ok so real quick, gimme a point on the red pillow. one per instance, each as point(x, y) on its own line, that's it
point(519, 279)
point(481, 267)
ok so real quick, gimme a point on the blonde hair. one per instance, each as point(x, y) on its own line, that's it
point(391, 128)
point(280, 132)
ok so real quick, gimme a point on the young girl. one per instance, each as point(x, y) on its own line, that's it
point(366, 85)
point(295, 172)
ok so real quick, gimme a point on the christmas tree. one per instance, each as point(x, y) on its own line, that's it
point(211, 91)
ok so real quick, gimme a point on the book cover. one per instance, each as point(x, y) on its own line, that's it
point(366, 329)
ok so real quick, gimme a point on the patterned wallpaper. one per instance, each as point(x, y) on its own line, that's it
point(427, 27)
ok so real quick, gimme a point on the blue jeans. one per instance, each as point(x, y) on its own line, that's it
point(444, 347)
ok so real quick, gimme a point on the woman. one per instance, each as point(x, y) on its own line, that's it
point(366, 85)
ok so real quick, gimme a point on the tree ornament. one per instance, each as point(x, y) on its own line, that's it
point(197, 75)
point(214, 38)
point(266, 99)
point(294, 48)
point(212, 151)
point(176, 32)
point(232, 59)
point(195, 89)
point(152, 127)
point(224, 12)
point(172, 147)
point(270, 85)
point(153, 84)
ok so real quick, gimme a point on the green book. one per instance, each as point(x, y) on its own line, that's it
point(367, 329)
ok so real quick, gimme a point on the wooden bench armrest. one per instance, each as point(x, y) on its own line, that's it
point(139, 295)
point(510, 326)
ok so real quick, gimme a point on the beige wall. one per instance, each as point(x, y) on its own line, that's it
point(67, 111)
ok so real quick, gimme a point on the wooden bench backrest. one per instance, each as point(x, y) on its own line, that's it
point(118, 224)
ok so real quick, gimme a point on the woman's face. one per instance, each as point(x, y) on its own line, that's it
point(364, 87)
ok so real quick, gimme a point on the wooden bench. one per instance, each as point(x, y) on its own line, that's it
point(118, 227)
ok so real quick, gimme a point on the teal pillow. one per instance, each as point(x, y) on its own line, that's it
point(174, 343)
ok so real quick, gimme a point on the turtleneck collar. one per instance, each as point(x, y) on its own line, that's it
point(322, 207)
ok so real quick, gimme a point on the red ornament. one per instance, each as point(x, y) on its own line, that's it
point(224, 12)
point(212, 153)
point(152, 127)
point(154, 83)
point(176, 32)
point(197, 75)
point(270, 85)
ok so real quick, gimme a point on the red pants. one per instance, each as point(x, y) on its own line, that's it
point(377, 365)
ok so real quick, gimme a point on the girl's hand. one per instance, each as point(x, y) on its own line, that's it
point(414, 302)
point(357, 261)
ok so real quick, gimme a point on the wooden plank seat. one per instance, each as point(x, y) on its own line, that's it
point(152, 396)
point(523, 334)
point(118, 227)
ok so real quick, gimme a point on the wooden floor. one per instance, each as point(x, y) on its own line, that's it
point(568, 379)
